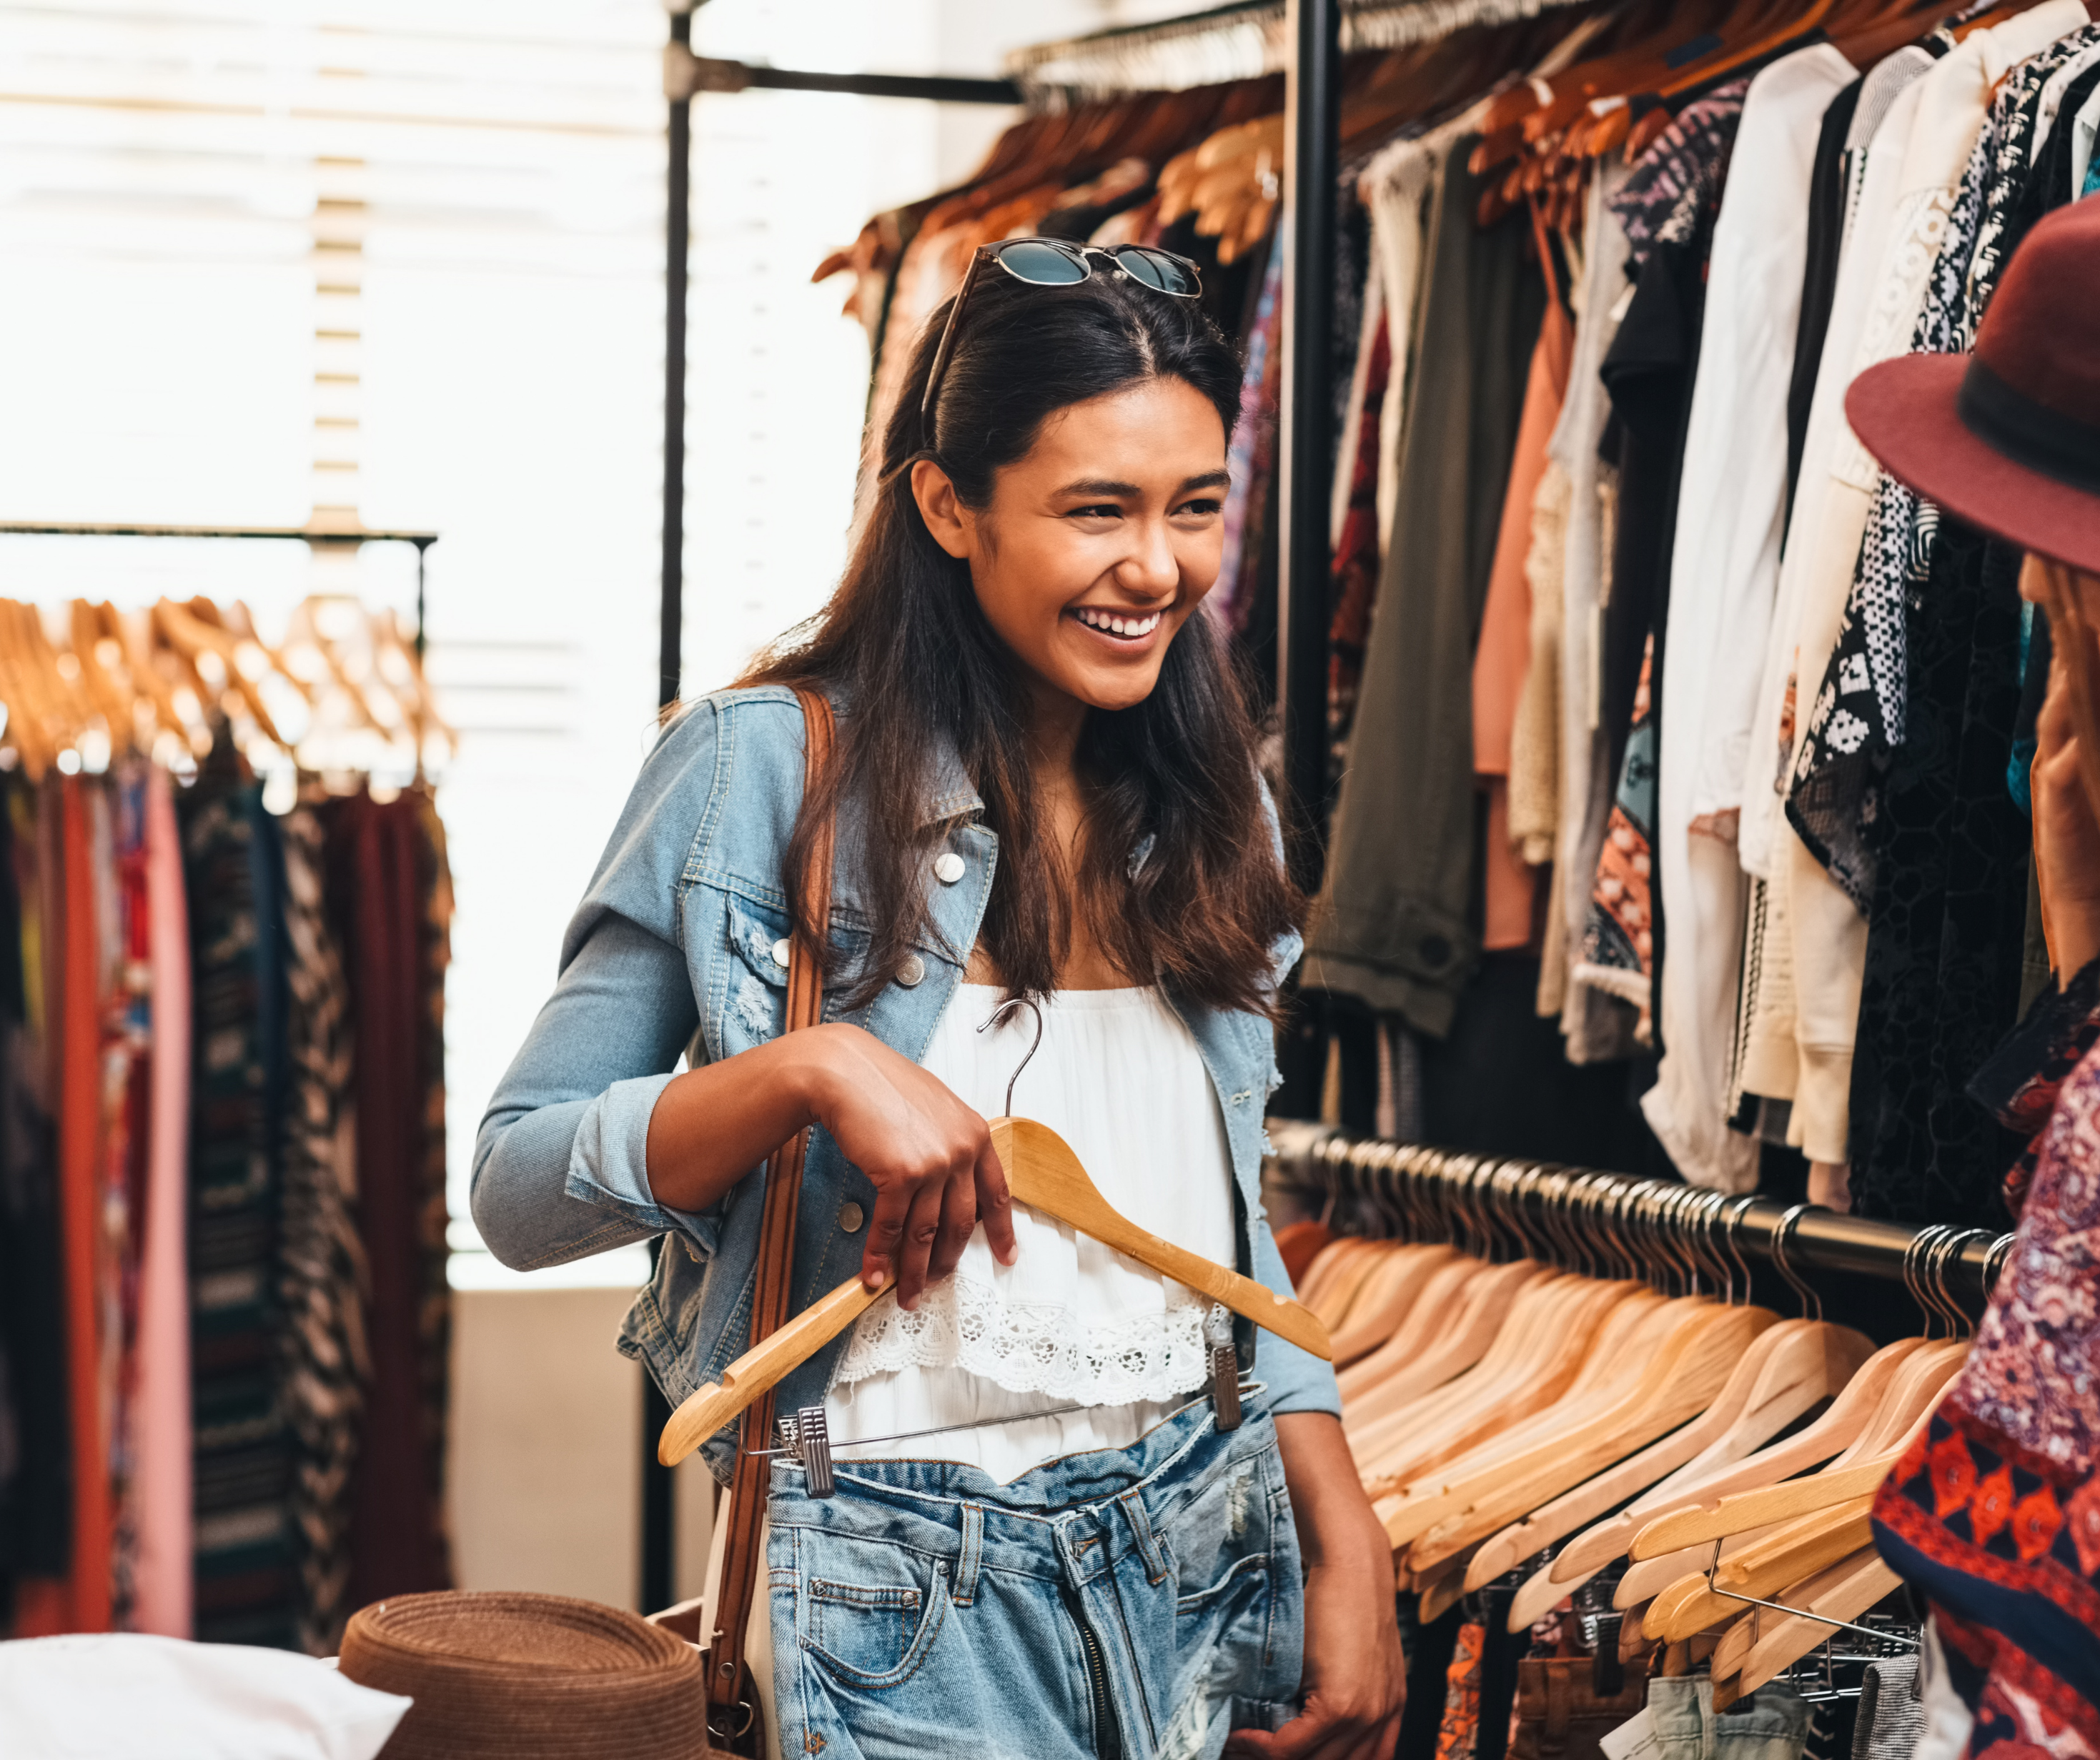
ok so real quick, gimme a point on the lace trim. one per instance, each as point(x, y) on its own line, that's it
point(1038, 1347)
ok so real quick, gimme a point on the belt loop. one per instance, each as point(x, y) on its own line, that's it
point(967, 1567)
point(1148, 1546)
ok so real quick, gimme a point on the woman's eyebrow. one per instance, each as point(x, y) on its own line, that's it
point(1109, 489)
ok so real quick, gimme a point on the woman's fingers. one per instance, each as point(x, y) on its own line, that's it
point(994, 1204)
point(881, 1257)
point(916, 1251)
point(959, 1220)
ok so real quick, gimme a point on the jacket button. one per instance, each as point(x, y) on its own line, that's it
point(851, 1216)
point(913, 969)
point(948, 868)
point(781, 950)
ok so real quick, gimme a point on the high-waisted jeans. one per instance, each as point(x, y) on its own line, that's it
point(1141, 1602)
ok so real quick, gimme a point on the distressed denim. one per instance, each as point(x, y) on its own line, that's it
point(926, 1610)
point(672, 952)
point(1771, 1724)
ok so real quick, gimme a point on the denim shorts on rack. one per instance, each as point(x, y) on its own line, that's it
point(1136, 1602)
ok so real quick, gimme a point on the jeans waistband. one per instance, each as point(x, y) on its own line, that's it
point(1069, 1520)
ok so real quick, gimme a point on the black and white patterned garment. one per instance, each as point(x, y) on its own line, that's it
point(322, 1279)
point(1857, 717)
point(1680, 175)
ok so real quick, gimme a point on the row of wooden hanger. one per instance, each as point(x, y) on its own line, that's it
point(84, 685)
point(1510, 1414)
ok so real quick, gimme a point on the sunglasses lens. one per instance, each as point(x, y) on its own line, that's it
point(1042, 265)
point(1156, 269)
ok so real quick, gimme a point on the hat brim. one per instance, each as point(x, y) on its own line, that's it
point(1904, 412)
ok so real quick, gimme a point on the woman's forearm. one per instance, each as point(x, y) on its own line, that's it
point(1336, 1525)
point(712, 1125)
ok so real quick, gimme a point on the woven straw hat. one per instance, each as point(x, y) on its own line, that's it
point(528, 1677)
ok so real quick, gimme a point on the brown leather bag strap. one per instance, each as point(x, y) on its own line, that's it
point(729, 1697)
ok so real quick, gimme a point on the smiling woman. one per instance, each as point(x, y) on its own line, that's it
point(1042, 788)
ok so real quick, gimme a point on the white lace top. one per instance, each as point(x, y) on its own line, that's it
point(1071, 1322)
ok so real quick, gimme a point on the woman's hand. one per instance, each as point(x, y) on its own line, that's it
point(928, 1155)
point(2067, 838)
point(1355, 1678)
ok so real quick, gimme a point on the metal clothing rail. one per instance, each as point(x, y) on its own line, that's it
point(1240, 40)
point(1368, 1180)
point(312, 534)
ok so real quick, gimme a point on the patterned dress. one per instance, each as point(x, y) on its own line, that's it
point(1995, 1511)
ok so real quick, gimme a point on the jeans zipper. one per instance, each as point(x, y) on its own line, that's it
point(1107, 1737)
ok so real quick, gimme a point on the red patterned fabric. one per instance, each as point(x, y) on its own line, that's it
point(1459, 1733)
point(1995, 1511)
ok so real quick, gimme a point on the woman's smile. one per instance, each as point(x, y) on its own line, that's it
point(1130, 631)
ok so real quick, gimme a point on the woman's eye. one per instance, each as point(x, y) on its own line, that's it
point(1202, 509)
point(1105, 510)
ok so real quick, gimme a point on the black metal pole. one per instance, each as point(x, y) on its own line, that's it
point(678, 197)
point(659, 1509)
point(1814, 1238)
point(1311, 153)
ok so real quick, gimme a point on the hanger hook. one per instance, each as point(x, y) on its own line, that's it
point(1950, 1256)
point(1731, 1230)
point(999, 1015)
point(1994, 1262)
point(1914, 1268)
point(1786, 1225)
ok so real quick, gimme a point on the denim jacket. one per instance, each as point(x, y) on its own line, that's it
point(673, 951)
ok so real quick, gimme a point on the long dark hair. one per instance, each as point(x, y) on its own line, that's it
point(905, 651)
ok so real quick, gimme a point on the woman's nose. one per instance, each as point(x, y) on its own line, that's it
point(1151, 568)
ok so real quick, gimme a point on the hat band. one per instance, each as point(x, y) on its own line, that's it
point(2029, 433)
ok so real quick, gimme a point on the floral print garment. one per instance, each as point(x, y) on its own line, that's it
point(1995, 1511)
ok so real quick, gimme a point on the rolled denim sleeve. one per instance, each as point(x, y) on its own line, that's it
point(1297, 1381)
point(561, 1161)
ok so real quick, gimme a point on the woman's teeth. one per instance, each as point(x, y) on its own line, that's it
point(1130, 627)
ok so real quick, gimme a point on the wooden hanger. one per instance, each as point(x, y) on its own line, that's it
point(1844, 1592)
point(1849, 1417)
point(1792, 1555)
point(1043, 1173)
point(1908, 1398)
point(1615, 1357)
point(1687, 1374)
point(1488, 1325)
point(1396, 1373)
point(1386, 1298)
point(1787, 1371)
point(1559, 1334)
point(1541, 1355)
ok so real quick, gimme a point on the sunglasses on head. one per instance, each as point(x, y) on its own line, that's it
point(1054, 262)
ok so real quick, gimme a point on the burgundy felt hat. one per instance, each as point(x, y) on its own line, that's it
point(2008, 438)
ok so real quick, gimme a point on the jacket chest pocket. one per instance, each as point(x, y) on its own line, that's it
point(754, 992)
point(751, 1005)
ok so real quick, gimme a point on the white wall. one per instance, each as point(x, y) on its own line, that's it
point(543, 1485)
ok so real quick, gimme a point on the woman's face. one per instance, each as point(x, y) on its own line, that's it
point(1100, 543)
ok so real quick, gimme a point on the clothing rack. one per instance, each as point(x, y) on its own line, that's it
point(317, 535)
point(1364, 1182)
point(1243, 40)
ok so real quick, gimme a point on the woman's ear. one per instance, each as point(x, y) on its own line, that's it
point(953, 527)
